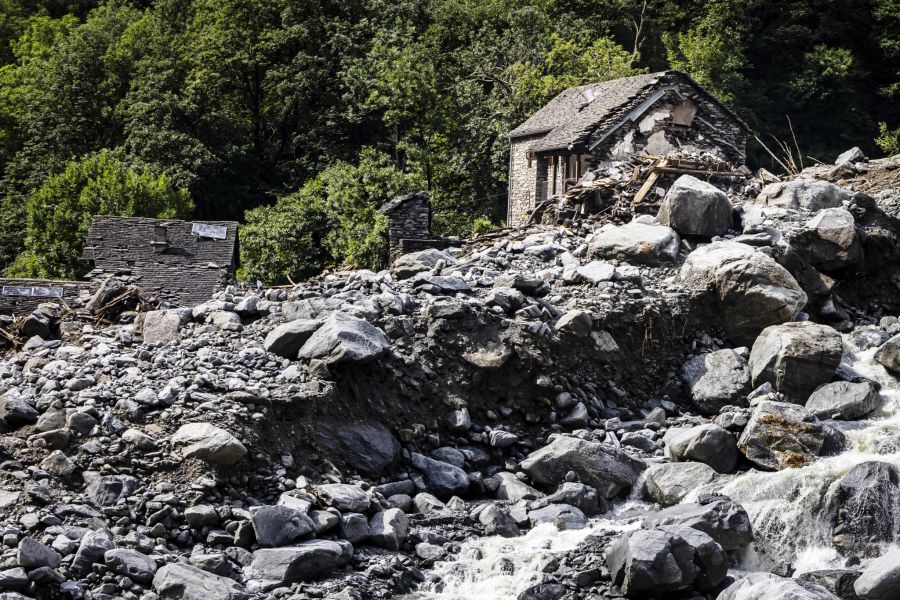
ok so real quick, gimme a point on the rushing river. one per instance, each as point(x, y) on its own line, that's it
point(788, 510)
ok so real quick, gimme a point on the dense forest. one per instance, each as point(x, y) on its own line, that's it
point(300, 117)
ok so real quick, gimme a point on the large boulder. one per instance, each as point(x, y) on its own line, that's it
point(106, 490)
point(287, 339)
point(344, 339)
point(717, 379)
point(411, 264)
point(444, 480)
point(368, 446)
point(562, 516)
point(880, 580)
point(768, 586)
point(781, 435)
point(751, 291)
point(179, 581)
point(303, 562)
point(130, 563)
point(602, 466)
point(723, 520)
point(830, 241)
point(795, 358)
point(864, 503)
point(888, 354)
point(636, 242)
point(709, 443)
point(161, 326)
point(279, 525)
point(209, 443)
point(16, 410)
point(844, 400)
point(803, 194)
point(668, 483)
point(389, 528)
point(658, 562)
point(695, 207)
point(344, 497)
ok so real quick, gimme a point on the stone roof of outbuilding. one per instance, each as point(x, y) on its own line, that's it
point(571, 116)
point(398, 201)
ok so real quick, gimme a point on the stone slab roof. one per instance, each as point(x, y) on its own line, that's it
point(571, 116)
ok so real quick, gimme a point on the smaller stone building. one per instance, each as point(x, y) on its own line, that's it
point(409, 224)
point(183, 262)
point(602, 124)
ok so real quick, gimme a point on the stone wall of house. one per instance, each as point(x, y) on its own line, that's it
point(711, 129)
point(22, 296)
point(523, 179)
point(409, 220)
point(185, 273)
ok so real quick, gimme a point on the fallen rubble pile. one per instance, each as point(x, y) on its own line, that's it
point(343, 437)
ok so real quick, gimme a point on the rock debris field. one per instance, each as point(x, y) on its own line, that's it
point(638, 396)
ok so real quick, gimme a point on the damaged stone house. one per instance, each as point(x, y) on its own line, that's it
point(601, 124)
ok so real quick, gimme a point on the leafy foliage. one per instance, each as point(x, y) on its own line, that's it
point(250, 103)
point(59, 212)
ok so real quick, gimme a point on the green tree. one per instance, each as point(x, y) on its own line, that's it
point(60, 211)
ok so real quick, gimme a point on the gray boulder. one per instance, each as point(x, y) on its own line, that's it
point(107, 489)
point(864, 504)
point(344, 497)
point(830, 241)
point(636, 242)
point(781, 435)
point(601, 466)
point(795, 358)
point(444, 479)
point(344, 339)
point(31, 554)
point(575, 322)
point(497, 521)
point(651, 563)
point(709, 557)
point(354, 527)
point(844, 400)
point(131, 563)
point(287, 339)
point(717, 379)
point(302, 562)
point(279, 525)
point(411, 264)
point(888, 354)
point(668, 483)
point(368, 446)
point(581, 496)
point(563, 516)
point(709, 443)
point(510, 487)
point(767, 586)
point(178, 581)
point(596, 271)
point(750, 290)
point(880, 580)
point(389, 529)
point(91, 550)
point(723, 520)
point(695, 207)
point(16, 410)
point(803, 194)
point(209, 444)
point(162, 326)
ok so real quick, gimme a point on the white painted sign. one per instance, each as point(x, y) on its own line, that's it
point(32, 291)
point(216, 232)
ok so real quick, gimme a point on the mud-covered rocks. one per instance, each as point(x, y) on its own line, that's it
point(749, 289)
point(695, 207)
point(343, 338)
point(668, 483)
point(803, 194)
point(764, 586)
point(710, 444)
point(844, 400)
point(208, 443)
point(795, 358)
point(717, 379)
point(781, 435)
point(880, 580)
point(636, 242)
point(179, 581)
point(604, 467)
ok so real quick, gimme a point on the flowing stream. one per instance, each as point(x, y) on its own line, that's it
point(788, 509)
